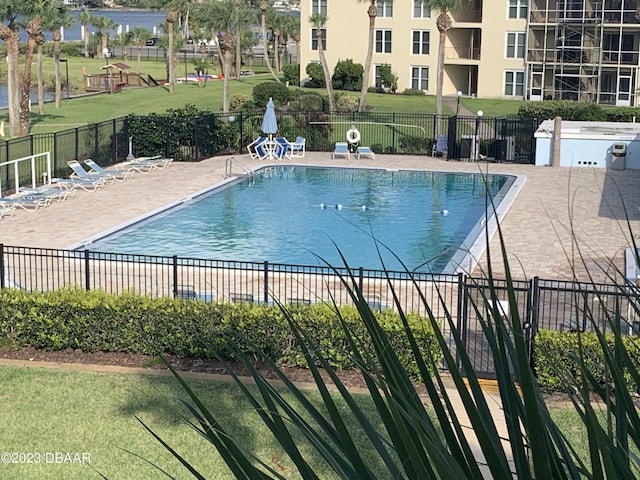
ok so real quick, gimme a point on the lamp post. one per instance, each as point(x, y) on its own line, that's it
point(107, 54)
point(458, 94)
point(66, 65)
point(477, 138)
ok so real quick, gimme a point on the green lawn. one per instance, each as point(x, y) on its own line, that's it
point(57, 411)
point(90, 109)
point(47, 411)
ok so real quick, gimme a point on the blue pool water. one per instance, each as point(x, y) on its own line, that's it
point(290, 214)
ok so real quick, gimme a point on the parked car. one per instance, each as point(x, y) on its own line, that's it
point(152, 42)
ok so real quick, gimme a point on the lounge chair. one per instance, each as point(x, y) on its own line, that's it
point(341, 148)
point(290, 149)
point(158, 160)
point(71, 183)
point(257, 149)
point(7, 210)
point(25, 203)
point(365, 152)
point(80, 173)
point(50, 194)
point(299, 147)
point(186, 291)
point(440, 147)
point(117, 175)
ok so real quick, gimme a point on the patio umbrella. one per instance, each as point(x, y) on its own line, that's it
point(269, 122)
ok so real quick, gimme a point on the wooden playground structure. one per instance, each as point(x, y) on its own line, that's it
point(115, 78)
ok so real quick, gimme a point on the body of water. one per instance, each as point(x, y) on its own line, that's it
point(290, 214)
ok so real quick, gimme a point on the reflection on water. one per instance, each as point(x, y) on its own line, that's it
point(4, 97)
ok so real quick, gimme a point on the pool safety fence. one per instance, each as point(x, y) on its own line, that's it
point(195, 138)
point(541, 304)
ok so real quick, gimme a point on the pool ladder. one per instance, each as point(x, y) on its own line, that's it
point(229, 167)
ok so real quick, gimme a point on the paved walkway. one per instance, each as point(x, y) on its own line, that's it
point(558, 211)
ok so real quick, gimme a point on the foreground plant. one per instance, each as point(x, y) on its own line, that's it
point(419, 442)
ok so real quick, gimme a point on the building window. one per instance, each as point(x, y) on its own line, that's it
point(515, 44)
point(383, 41)
point(517, 8)
point(420, 10)
point(514, 83)
point(314, 39)
point(420, 42)
point(385, 8)
point(319, 7)
point(420, 78)
point(378, 79)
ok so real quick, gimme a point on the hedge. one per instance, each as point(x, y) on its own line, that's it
point(556, 353)
point(91, 321)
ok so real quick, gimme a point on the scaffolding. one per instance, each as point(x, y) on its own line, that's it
point(583, 50)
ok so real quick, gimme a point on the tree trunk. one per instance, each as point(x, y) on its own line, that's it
point(139, 57)
point(11, 38)
point(86, 41)
point(265, 46)
point(325, 70)
point(227, 75)
point(57, 36)
point(440, 71)
point(372, 12)
point(172, 76)
point(40, 82)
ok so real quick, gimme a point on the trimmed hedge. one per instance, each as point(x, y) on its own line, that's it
point(556, 352)
point(97, 321)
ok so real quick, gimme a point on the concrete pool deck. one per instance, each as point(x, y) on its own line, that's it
point(557, 208)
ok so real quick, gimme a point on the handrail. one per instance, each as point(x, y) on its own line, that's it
point(229, 166)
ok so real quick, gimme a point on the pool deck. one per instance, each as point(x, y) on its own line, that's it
point(559, 213)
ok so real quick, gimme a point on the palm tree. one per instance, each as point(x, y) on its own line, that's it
point(443, 23)
point(103, 25)
point(55, 18)
point(123, 40)
point(372, 12)
point(10, 34)
point(318, 22)
point(140, 35)
point(263, 22)
point(289, 29)
point(85, 18)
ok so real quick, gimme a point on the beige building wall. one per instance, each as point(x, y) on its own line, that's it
point(475, 50)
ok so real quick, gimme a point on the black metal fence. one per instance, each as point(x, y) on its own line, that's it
point(205, 136)
point(541, 304)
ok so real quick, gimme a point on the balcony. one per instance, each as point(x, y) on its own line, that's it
point(461, 53)
point(614, 57)
point(467, 16)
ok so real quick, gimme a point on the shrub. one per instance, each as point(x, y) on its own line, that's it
point(291, 73)
point(566, 109)
point(413, 91)
point(97, 321)
point(388, 79)
point(413, 144)
point(316, 75)
point(347, 103)
point(237, 102)
point(308, 102)
point(274, 90)
point(347, 75)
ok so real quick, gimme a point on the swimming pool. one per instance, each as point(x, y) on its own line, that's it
point(290, 214)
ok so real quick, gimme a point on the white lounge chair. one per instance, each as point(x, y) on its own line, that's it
point(80, 173)
point(25, 203)
point(7, 210)
point(71, 183)
point(365, 152)
point(342, 149)
point(117, 175)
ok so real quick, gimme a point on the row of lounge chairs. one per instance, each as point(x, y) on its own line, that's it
point(341, 149)
point(263, 148)
point(89, 179)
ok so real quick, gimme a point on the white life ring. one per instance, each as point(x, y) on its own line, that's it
point(353, 135)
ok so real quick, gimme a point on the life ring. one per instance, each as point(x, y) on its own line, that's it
point(353, 135)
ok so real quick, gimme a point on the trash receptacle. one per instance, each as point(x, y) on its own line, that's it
point(619, 156)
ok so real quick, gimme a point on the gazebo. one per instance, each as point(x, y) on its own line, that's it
point(115, 83)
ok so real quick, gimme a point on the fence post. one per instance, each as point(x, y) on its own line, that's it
point(241, 132)
point(114, 142)
point(266, 282)
point(361, 279)
point(77, 137)
point(461, 320)
point(87, 275)
point(175, 275)
point(2, 265)
point(534, 287)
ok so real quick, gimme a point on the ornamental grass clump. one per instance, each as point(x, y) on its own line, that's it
point(443, 425)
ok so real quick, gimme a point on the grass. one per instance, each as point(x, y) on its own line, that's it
point(96, 108)
point(86, 412)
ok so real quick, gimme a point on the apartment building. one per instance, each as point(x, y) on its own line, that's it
point(533, 49)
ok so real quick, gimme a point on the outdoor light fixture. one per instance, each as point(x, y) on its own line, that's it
point(458, 94)
point(477, 138)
